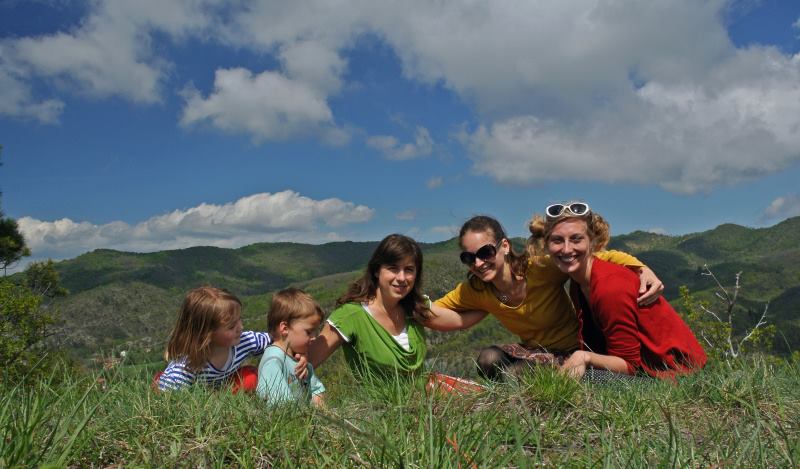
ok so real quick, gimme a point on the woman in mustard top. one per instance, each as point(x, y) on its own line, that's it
point(526, 295)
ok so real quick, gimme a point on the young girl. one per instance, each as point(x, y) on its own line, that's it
point(615, 333)
point(293, 320)
point(207, 344)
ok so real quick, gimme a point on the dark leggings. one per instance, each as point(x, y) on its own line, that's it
point(493, 363)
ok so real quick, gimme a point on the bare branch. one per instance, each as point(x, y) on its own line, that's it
point(708, 311)
point(761, 322)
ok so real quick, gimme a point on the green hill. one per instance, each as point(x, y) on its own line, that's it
point(122, 299)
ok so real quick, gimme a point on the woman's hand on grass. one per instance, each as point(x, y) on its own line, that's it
point(575, 365)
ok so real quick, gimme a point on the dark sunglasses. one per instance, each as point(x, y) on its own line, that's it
point(576, 209)
point(484, 253)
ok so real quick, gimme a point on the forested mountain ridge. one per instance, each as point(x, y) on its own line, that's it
point(122, 299)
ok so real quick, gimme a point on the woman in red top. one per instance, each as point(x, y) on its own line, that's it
point(616, 333)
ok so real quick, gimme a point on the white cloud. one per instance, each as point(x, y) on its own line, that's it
point(315, 64)
point(740, 123)
point(392, 149)
point(109, 54)
point(267, 106)
point(407, 215)
point(281, 216)
point(796, 24)
point(434, 182)
point(782, 207)
point(17, 101)
point(658, 230)
point(578, 89)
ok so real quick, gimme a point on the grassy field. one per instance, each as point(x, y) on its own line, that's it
point(745, 414)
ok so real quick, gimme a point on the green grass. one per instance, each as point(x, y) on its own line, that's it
point(742, 415)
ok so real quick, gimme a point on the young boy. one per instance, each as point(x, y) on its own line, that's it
point(293, 320)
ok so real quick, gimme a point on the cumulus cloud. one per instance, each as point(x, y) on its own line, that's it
point(394, 150)
point(739, 123)
point(281, 216)
point(658, 230)
point(434, 182)
point(109, 53)
point(16, 100)
point(267, 106)
point(782, 207)
point(580, 89)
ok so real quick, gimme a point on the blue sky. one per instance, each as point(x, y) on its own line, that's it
point(149, 125)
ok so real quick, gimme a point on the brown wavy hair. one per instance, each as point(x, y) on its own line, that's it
point(204, 310)
point(597, 228)
point(391, 250)
point(487, 224)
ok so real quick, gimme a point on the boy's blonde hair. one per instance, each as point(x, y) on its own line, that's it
point(289, 305)
point(204, 310)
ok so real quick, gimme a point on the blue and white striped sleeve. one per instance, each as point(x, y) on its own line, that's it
point(176, 376)
point(253, 343)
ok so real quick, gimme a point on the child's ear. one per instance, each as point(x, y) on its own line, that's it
point(283, 328)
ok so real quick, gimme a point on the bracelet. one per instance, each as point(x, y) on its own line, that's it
point(427, 303)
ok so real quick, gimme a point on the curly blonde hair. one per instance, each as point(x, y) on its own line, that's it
point(597, 229)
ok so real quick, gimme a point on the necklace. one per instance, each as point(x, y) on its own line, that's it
point(506, 299)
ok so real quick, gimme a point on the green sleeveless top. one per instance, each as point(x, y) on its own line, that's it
point(370, 350)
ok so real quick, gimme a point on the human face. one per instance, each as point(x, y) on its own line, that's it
point(227, 335)
point(485, 269)
point(395, 281)
point(569, 245)
point(300, 332)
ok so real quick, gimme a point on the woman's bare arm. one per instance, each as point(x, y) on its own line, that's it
point(575, 365)
point(446, 320)
point(324, 345)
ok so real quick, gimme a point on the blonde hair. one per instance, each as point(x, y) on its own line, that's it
point(289, 305)
point(597, 229)
point(204, 310)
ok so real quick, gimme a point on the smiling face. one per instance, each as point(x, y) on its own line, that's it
point(485, 269)
point(395, 281)
point(569, 245)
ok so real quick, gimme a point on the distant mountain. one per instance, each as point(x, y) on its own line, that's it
point(122, 299)
point(249, 270)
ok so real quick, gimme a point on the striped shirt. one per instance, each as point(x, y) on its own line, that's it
point(177, 375)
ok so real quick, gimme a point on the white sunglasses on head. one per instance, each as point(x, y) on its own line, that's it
point(576, 209)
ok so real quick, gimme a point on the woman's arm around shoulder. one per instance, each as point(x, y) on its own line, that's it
point(445, 320)
point(650, 286)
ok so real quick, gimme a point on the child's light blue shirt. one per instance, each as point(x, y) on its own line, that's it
point(277, 382)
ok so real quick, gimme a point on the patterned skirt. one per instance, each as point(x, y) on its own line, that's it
point(534, 355)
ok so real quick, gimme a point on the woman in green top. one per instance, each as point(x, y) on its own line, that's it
point(378, 320)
